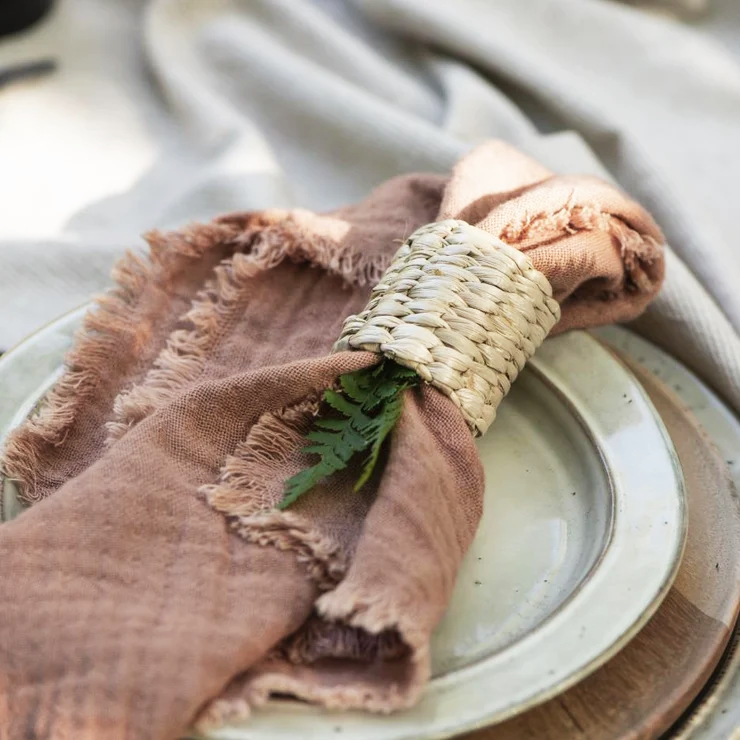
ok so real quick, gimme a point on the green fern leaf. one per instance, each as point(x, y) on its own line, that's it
point(340, 403)
point(302, 482)
point(389, 415)
point(369, 406)
point(355, 385)
point(334, 425)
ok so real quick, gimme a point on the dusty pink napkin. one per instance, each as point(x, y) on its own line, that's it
point(154, 583)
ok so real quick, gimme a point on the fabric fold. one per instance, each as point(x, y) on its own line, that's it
point(190, 419)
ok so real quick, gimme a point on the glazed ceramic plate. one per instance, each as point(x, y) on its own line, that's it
point(581, 538)
point(650, 683)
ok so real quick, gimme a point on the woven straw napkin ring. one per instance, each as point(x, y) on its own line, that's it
point(462, 309)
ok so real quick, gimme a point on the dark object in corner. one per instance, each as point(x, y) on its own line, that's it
point(15, 15)
point(26, 70)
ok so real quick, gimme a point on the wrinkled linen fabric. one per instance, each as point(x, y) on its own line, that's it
point(156, 572)
point(164, 111)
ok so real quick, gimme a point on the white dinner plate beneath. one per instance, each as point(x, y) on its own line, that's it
point(581, 537)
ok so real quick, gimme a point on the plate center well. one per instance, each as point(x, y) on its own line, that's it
point(546, 521)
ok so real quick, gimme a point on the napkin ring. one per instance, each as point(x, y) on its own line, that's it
point(462, 309)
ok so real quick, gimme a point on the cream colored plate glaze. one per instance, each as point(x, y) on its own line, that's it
point(581, 538)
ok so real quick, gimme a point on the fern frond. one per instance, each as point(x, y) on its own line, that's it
point(369, 406)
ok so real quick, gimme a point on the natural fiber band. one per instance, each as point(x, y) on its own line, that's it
point(461, 308)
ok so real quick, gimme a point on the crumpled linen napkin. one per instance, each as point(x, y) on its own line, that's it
point(153, 582)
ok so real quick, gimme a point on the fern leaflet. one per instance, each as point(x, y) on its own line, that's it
point(367, 409)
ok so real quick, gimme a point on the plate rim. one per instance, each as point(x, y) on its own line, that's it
point(475, 716)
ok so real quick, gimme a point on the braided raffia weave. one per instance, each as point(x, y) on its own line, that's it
point(462, 309)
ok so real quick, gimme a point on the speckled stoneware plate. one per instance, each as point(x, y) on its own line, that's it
point(649, 684)
point(581, 538)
